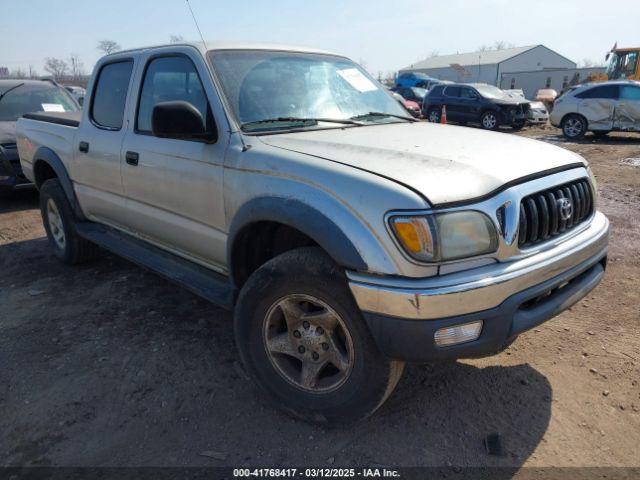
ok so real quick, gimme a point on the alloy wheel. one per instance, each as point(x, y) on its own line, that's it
point(55, 224)
point(573, 127)
point(308, 343)
point(489, 121)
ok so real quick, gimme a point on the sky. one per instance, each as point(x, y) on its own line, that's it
point(383, 35)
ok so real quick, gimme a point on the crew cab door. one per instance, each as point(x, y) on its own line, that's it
point(173, 187)
point(95, 168)
point(627, 113)
point(598, 105)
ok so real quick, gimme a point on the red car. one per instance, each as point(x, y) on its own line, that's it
point(412, 107)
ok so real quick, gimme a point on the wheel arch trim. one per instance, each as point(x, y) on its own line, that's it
point(296, 214)
point(48, 156)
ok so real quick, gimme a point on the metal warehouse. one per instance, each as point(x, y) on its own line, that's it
point(493, 66)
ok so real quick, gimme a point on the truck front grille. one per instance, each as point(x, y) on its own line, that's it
point(552, 212)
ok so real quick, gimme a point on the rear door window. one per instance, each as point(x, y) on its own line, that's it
point(110, 94)
point(628, 92)
point(452, 92)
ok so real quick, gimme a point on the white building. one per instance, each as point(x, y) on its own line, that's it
point(558, 79)
point(493, 66)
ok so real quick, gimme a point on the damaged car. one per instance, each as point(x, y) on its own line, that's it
point(476, 103)
point(599, 108)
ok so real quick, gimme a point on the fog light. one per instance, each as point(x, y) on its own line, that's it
point(465, 332)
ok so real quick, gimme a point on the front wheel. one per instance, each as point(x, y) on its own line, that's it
point(489, 121)
point(574, 127)
point(304, 341)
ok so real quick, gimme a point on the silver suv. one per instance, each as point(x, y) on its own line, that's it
point(599, 108)
point(288, 185)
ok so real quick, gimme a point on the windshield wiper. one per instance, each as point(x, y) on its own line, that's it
point(382, 114)
point(9, 89)
point(310, 121)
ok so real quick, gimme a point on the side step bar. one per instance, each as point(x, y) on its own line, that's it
point(206, 283)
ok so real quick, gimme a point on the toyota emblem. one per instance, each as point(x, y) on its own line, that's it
point(565, 208)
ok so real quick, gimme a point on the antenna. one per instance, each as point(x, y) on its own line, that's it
point(196, 22)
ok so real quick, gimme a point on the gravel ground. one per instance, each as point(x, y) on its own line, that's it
point(107, 365)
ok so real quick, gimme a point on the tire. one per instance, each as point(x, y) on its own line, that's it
point(59, 223)
point(489, 120)
point(574, 126)
point(516, 127)
point(601, 133)
point(356, 377)
point(433, 115)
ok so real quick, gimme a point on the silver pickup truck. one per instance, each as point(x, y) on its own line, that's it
point(287, 184)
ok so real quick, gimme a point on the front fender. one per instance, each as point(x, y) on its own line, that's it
point(302, 217)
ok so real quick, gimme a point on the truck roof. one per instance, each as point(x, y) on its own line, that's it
point(217, 45)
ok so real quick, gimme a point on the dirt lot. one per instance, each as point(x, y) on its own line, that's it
point(108, 365)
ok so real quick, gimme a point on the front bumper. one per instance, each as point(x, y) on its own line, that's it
point(404, 314)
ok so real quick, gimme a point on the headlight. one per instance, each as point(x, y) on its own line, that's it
point(445, 236)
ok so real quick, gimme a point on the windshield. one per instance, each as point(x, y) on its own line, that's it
point(270, 90)
point(489, 91)
point(28, 98)
point(622, 65)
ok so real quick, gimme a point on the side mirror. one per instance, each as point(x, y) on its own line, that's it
point(180, 120)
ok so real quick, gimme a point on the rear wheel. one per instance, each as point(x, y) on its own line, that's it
point(489, 120)
point(304, 341)
point(434, 115)
point(59, 223)
point(574, 126)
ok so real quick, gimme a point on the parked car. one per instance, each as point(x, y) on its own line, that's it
point(476, 103)
point(538, 114)
point(349, 237)
point(416, 79)
point(412, 107)
point(599, 108)
point(18, 97)
point(77, 92)
point(413, 94)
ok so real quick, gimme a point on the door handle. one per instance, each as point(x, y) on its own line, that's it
point(83, 147)
point(131, 158)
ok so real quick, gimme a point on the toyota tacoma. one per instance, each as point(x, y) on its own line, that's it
point(288, 185)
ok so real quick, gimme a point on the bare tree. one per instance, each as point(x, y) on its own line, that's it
point(57, 67)
point(32, 72)
point(176, 38)
point(497, 45)
point(108, 46)
point(76, 66)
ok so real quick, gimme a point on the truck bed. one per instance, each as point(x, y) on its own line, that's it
point(69, 119)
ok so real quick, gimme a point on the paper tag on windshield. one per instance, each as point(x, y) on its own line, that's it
point(357, 80)
point(52, 107)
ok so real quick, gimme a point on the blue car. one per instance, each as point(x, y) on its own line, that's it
point(416, 79)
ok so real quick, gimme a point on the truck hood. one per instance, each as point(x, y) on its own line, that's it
point(444, 163)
